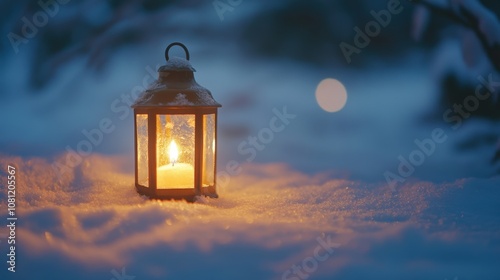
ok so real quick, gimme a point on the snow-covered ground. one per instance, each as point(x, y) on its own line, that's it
point(90, 224)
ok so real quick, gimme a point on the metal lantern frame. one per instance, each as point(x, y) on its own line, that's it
point(175, 95)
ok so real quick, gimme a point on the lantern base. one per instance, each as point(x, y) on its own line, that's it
point(188, 195)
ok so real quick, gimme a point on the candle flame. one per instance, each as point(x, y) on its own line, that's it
point(173, 152)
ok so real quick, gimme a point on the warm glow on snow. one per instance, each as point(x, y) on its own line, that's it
point(92, 220)
point(331, 95)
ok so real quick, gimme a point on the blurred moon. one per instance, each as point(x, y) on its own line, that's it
point(331, 95)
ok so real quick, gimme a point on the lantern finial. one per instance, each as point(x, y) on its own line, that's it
point(176, 44)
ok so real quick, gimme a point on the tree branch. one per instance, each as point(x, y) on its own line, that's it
point(471, 19)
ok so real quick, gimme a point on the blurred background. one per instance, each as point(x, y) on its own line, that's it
point(67, 65)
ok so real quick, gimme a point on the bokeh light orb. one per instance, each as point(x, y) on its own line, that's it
point(331, 95)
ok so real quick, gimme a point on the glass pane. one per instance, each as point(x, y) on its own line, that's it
point(175, 151)
point(208, 169)
point(142, 149)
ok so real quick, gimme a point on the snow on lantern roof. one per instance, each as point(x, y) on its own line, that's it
point(176, 86)
point(161, 95)
point(177, 64)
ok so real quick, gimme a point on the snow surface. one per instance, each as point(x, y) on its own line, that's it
point(91, 222)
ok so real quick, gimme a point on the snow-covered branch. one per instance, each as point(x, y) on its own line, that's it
point(472, 14)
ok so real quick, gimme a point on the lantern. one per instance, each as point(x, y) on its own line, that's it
point(175, 134)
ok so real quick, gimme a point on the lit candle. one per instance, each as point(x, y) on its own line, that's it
point(175, 174)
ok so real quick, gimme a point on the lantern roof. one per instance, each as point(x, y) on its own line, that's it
point(177, 64)
point(176, 86)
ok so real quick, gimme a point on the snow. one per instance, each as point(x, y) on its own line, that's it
point(91, 222)
point(177, 64)
point(180, 100)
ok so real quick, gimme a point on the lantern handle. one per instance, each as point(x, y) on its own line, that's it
point(176, 44)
